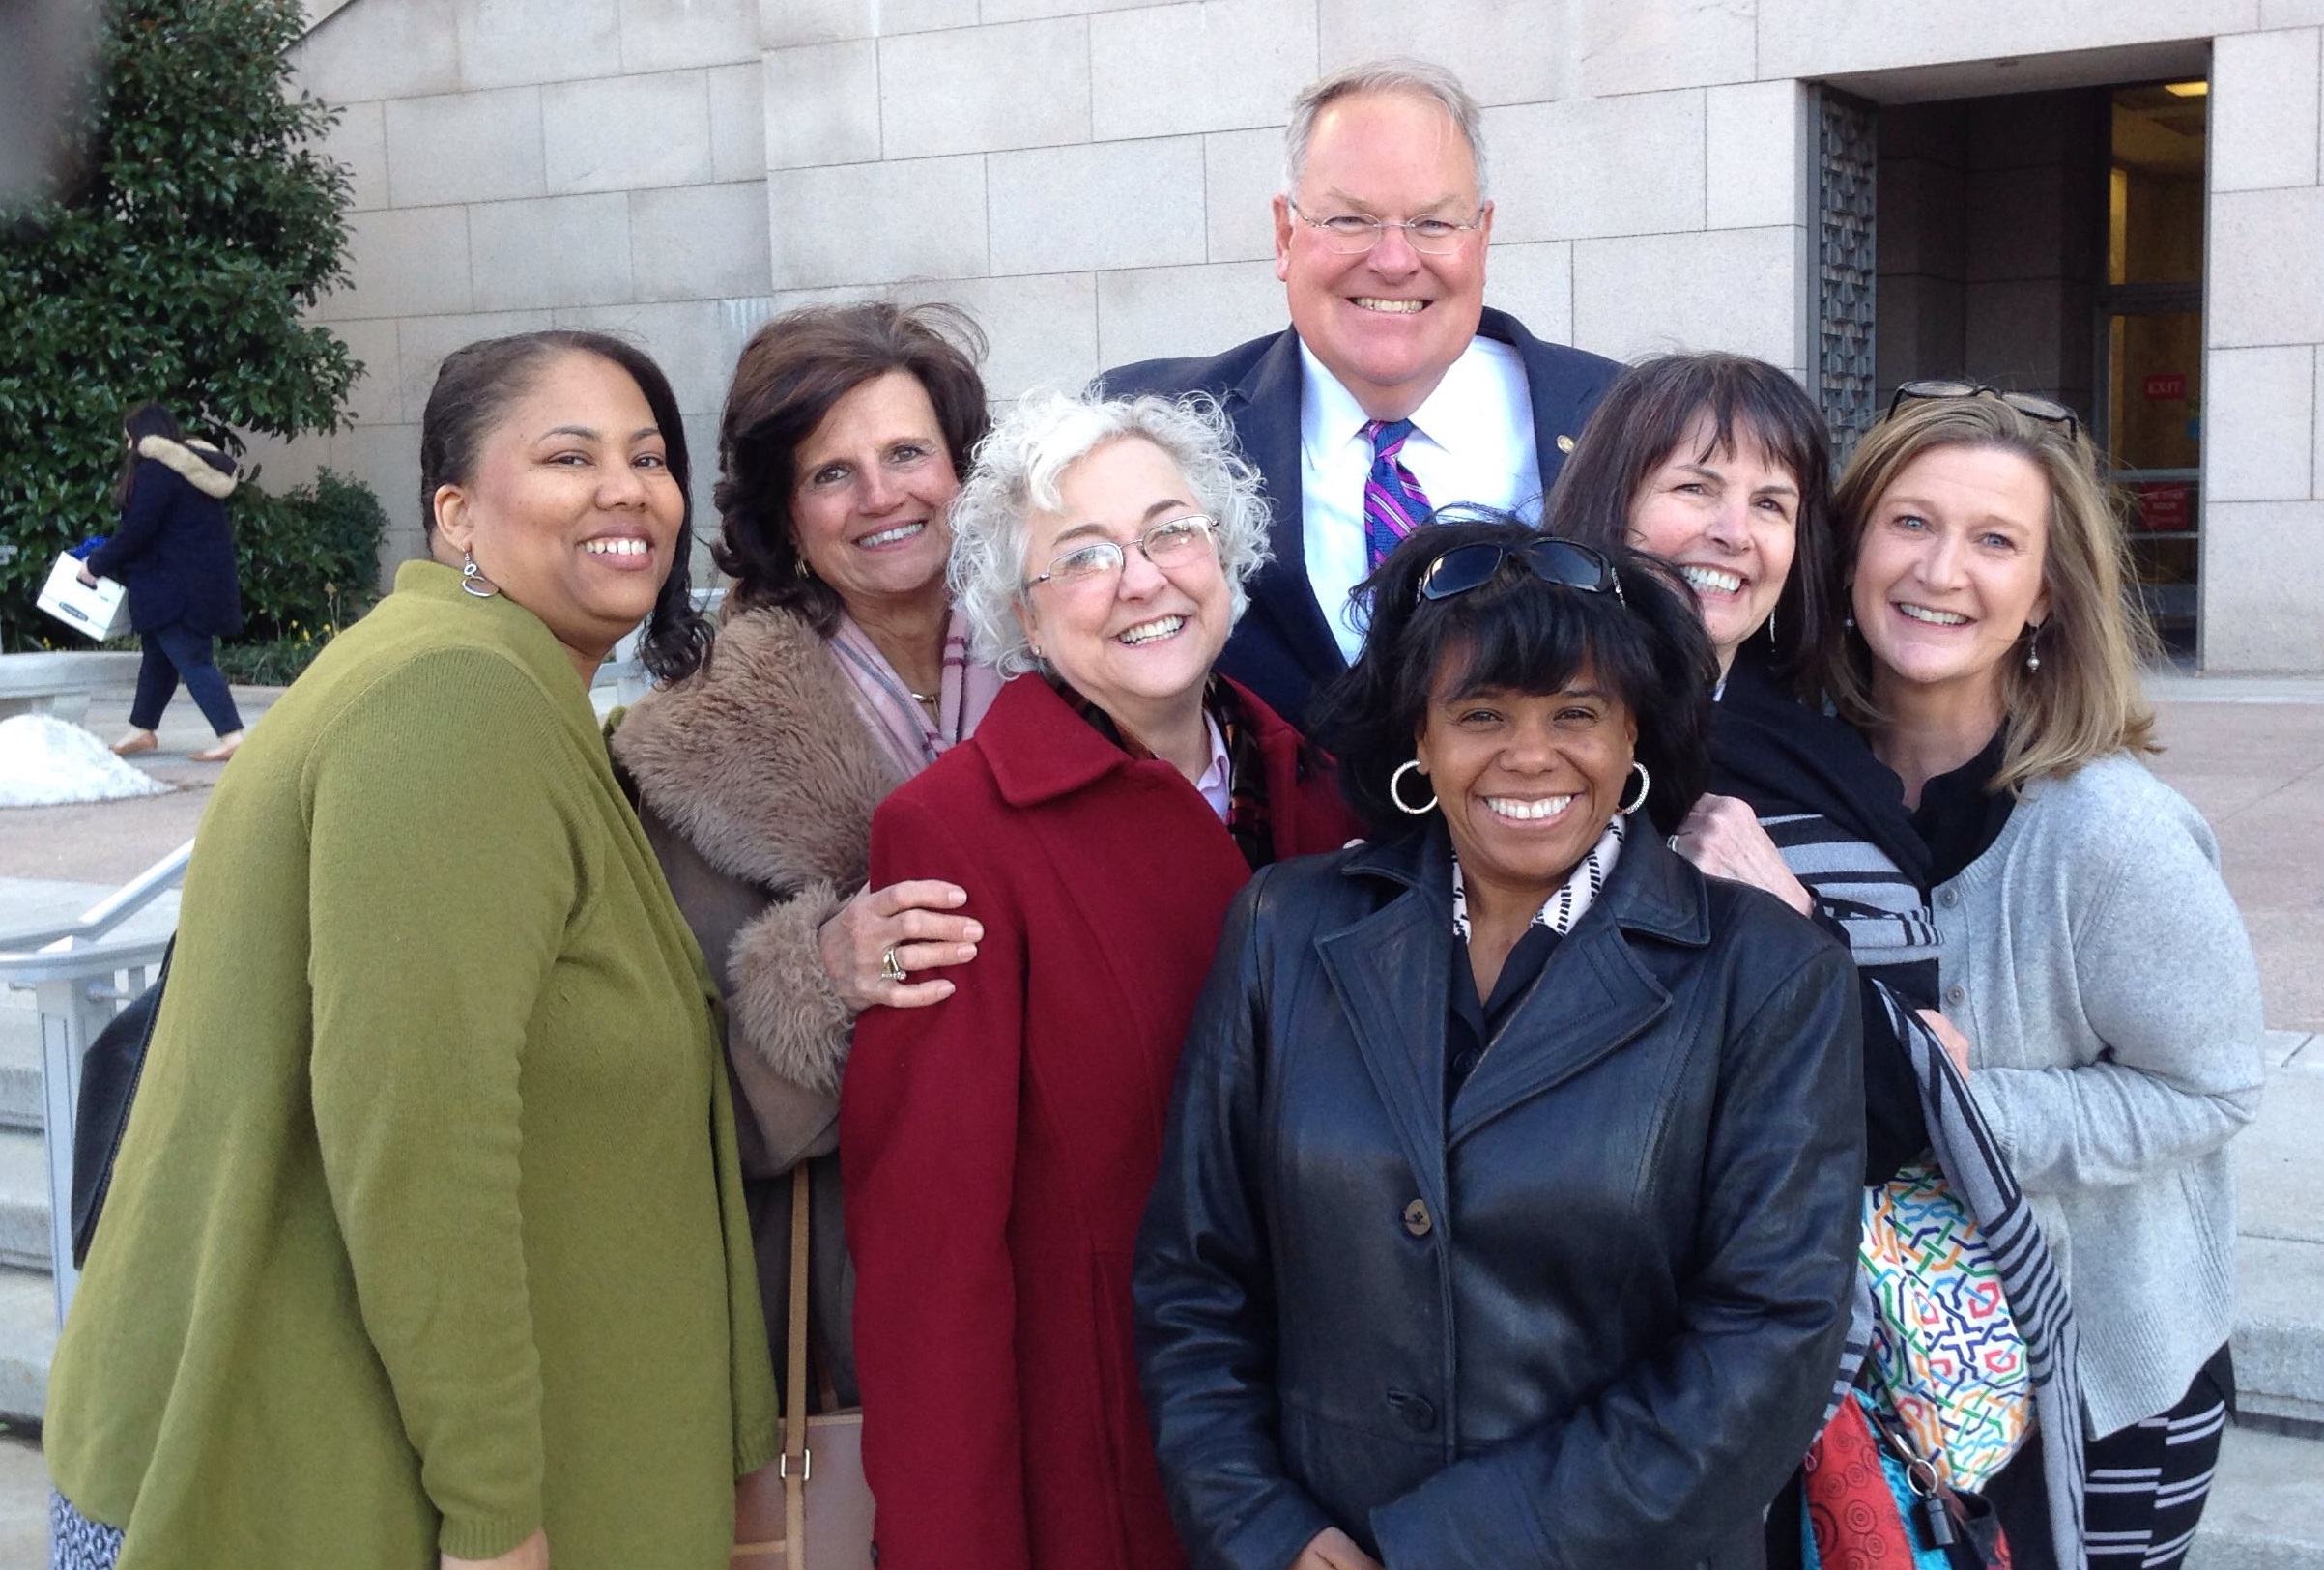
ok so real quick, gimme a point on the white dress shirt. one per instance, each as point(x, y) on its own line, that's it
point(1472, 441)
point(1217, 781)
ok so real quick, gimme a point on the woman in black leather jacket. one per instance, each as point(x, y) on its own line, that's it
point(1508, 1206)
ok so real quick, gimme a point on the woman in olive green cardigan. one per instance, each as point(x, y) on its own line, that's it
point(426, 1242)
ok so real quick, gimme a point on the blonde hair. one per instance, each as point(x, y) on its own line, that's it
point(2086, 701)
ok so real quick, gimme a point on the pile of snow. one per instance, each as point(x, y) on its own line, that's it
point(44, 761)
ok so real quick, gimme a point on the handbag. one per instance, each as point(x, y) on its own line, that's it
point(824, 1504)
point(110, 1070)
point(1871, 1503)
point(1950, 1360)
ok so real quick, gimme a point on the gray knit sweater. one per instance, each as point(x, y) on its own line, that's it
point(2102, 975)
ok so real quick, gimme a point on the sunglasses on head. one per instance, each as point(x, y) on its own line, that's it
point(2024, 403)
point(1567, 564)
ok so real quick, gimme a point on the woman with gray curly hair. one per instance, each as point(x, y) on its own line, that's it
point(997, 1146)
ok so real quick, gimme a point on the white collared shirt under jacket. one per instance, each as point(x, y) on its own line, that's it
point(1472, 441)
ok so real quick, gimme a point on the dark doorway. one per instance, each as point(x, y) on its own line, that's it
point(2051, 242)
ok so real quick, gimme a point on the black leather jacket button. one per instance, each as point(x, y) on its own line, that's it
point(1415, 1219)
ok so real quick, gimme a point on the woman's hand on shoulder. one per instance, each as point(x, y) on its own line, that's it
point(1334, 1550)
point(1722, 836)
point(533, 1554)
point(909, 921)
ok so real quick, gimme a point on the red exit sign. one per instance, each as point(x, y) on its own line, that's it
point(2165, 386)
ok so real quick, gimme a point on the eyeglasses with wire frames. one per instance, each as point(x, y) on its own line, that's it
point(2024, 403)
point(1565, 563)
point(1352, 234)
point(1171, 543)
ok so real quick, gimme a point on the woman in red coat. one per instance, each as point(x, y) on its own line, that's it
point(998, 1147)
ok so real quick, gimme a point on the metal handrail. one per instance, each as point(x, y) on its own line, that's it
point(21, 953)
point(80, 974)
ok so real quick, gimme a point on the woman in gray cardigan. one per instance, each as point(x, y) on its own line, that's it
point(2091, 955)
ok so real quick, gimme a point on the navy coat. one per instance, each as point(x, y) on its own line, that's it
point(174, 548)
point(1283, 647)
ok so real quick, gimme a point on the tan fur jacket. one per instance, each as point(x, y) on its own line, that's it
point(757, 780)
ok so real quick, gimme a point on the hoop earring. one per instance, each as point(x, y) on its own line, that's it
point(1770, 629)
point(1645, 783)
point(1396, 791)
point(473, 579)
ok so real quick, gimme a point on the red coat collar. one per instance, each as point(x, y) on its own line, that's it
point(1039, 749)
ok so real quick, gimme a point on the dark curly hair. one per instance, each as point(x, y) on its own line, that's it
point(792, 373)
point(1520, 632)
point(473, 391)
point(1651, 407)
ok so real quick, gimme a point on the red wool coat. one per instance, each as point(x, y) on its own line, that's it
point(998, 1147)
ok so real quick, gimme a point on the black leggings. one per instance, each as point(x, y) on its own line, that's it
point(169, 653)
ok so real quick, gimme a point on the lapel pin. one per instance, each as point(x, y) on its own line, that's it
point(1566, 444)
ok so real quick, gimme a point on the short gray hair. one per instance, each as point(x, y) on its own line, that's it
point(1019, 465)
point(1397, 74)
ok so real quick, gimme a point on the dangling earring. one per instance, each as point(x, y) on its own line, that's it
point(1645, 783)
point(801, 569)
point(2033, 657)
point(1396, 791)
point(473, 579)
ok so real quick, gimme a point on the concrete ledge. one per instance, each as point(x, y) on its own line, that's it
point(27, 1342)
point(2262, 1515)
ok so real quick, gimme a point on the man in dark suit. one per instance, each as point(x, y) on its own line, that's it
point(1394, 389)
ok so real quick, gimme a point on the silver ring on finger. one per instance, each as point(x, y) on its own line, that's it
point(891, 968)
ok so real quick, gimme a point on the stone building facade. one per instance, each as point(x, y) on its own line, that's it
point(1090, 178)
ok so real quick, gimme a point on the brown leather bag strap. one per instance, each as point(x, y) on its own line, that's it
point(794, 1391)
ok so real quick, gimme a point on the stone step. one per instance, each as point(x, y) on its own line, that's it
point(2280, 1256)
point(27, 1342)
point(2263, 1514)
point(23, 1200)
point(21, 1095)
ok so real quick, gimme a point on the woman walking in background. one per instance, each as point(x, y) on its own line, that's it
point(174, 551)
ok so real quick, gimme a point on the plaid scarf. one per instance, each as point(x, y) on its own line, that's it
point(1248, 820)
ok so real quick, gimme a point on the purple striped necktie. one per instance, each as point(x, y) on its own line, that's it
point(1393, 502)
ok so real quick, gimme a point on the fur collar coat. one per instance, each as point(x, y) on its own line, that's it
point(755, 779)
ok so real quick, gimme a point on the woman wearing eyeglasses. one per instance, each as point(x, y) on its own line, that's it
point(1507, 1210)
point(2091, 953)
point(998, 1146)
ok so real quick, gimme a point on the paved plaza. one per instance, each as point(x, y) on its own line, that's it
point(2248, 751)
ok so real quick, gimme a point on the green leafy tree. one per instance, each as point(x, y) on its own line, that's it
point(174, 264)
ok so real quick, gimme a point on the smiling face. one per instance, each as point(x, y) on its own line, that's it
point(873, 484)
point(1727, 519)
point(1948, 572)
point(572, 510)
point(1139, 645)
point(1527, 780)
point(1390, 322)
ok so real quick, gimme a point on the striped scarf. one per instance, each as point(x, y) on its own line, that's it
point(1572, 898)
point(1838, 816)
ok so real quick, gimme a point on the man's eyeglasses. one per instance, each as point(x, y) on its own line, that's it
point(2024, 403)
point(1171, 543)
point(1567, 564)
point(1352, 234)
